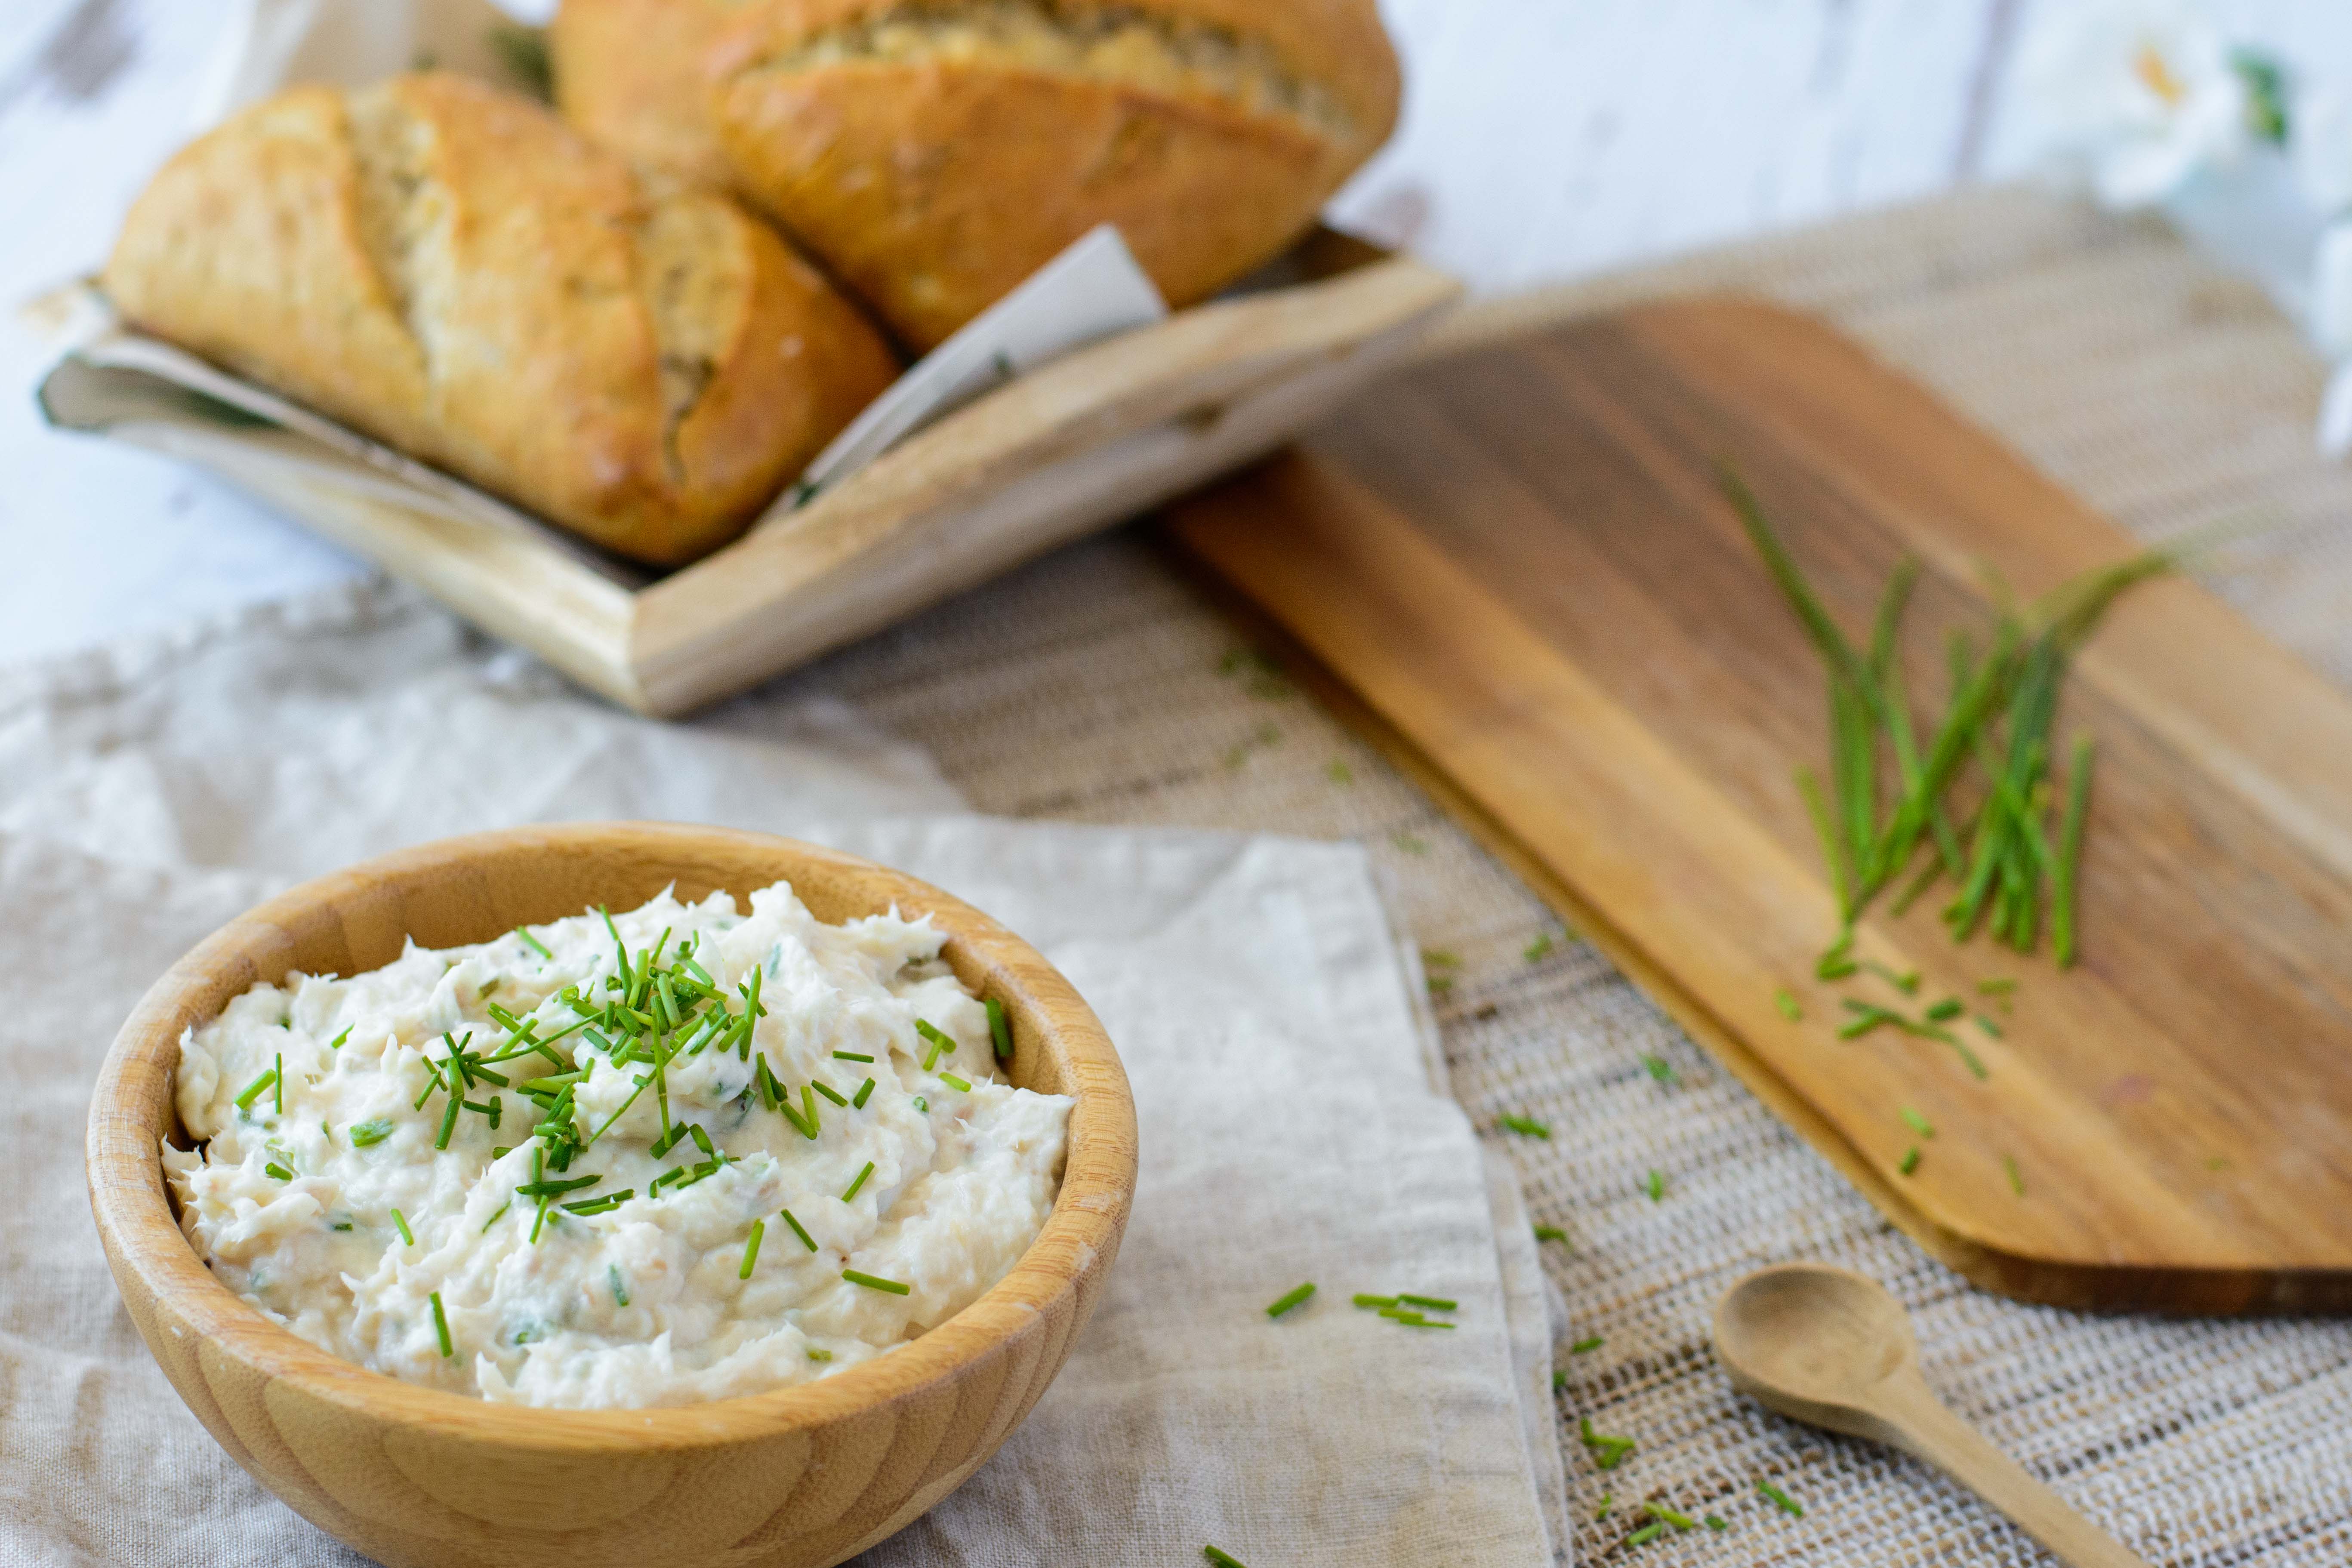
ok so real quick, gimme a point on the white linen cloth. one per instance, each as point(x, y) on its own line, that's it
point(1291, 1128)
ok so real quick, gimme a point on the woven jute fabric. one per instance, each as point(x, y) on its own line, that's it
point(1096, 685)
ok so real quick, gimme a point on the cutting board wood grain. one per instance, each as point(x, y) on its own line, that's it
point(1516, 566)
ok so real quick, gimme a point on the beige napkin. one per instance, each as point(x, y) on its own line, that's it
point(1291, 1127)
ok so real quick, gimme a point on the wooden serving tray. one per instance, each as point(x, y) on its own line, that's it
point(1518, 566)
point(1086, 440)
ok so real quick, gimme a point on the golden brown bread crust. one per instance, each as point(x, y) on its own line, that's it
point(934, 153)
point(448, 268)
point(632, 76)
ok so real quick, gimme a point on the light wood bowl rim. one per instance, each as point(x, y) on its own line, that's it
point(149, 1253)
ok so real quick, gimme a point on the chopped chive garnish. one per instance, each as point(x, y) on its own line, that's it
point(448, 1121)
point(1607, 1501)
point(807, 1240)
point(858, 1183)
point(279, 1170)
point(1660, 1069)
point(954, 1082)
point(817, 1353)
point(1646, 1534)
point(1907, 983)
point(1916, 1123)
point(827, 1091)
point(366, 1134)
point(1996, 987)
point(401, 1224)
point(253, 1090)
point(1667, 1515)
point(278, 1083)
point(1969, 1059)
point(1550, 1233)
point(751, 1249)
point(1525, 1126)
point(999, 1030)
point(1656, 1185)
point(1715, 1522)
point(1222, 1559)
point(2016, 1176)
point(498, 1216)
point(604, 1205)
point(941, 1044)
point(1910, 1160)
point(1989, 1027)
point(1559, 1383)
point(1781, 1500)
point(701, 1140)
point(1292, 1299)
point(1585, 1346)
point(864, 1092)
point(1363, 1300)
point(1949, 1008)
point(1786, 1000)
point(922, 1105)
point(850, 1057)
point(441, 1327)
point(337, 1043)
point(872, 1283)
point(1607, 1452)
point(1434, 1303)
point(1539, 947)
point(620, 1291)
point(533, 942)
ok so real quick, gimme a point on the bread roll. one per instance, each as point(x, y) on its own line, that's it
point(448, 268)
point(633, 76)
point(932, 156)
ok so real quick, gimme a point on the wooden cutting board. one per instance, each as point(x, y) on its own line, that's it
point(1515, 568)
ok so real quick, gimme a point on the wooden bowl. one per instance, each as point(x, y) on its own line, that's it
point(796, 1479)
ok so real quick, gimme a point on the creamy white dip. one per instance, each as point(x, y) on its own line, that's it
point(297, 1197)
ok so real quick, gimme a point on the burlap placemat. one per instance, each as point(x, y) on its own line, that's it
point(1098, 686)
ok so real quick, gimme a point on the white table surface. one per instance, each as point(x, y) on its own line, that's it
point(1542, 139)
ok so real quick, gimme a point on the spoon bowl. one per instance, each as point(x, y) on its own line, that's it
point(1831, 1348)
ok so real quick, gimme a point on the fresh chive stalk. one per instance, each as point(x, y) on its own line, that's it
point(1291, 1299)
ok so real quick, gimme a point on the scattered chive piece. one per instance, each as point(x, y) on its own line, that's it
point(441, 1327)
point(827, 1091)
point(1607, 1452)
point(1608, 1499)
point(807, 1240)
point(1715, 1522)
point(864, 1092)
point(620, 1291)
point(1660, 1069)
point(1917, 1123)
point(498, 1216)
point(872, 1283)
point(1949, 1008)
point(1363, 1300)
point(816, 1354)
point(279, 1170)
point(1908, 983)
point(1294, 1298)
point(337, 1043)
point(1434, 1303)
point(533, 942)
point(1989, 1027)
point(999, 1030)
point(954, 1082)
point(1969, 1059)
point(253, 1090)
point(1539, 947)
point(448, 1121)
point(278, 1083)
point(400, 1225)
point(1550, 1233)
point(858, 1183)
point(2016, 1176)
point(1646, 1534)
point(1910, 1160)
point(1656, 1185)
point(374, 1130)
point(1222, 1559)
point(1587, 1345)
point(1781, 1500)
point(1558, 1381)
point(1786, 1000)
point(1996, 987)
point(751, 1248)
point(941, 1044)
point(922, 1105)
point(1525, 1126)
point(2070, 856)
point(1667, 1515)
point(850, 1057)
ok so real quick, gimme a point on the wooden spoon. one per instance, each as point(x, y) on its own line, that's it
point(1831, 1348)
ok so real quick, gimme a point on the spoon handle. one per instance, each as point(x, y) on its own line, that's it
point(1922, 1426)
